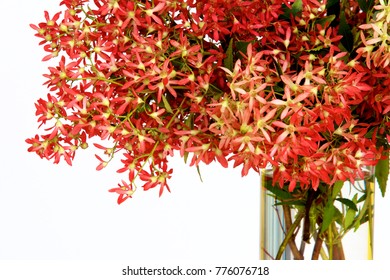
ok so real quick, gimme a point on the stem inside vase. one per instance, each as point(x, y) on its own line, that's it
point(308, 224)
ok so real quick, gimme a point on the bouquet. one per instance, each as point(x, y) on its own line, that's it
point(302, 86)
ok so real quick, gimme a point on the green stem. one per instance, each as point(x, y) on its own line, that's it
point(298, 255)
point(367, 206)
point(330, 242)
point(289, 234)
point(338, 250)
point(370, 196)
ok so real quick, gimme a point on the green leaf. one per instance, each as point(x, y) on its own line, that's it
point(348, 203)
point(362, 198)
point(382, 174)
point(316, 49)
point(351, 214)
point(349, 217)
point(279, 193)
point(295, 9)
point(242, 47)
point(200, 175)
point(329, 216)
point(337, 188)
point(345, 31)
point(338, 216)
point(324, 20)
point(370, 133)
point(167, 106)
point(228, 61)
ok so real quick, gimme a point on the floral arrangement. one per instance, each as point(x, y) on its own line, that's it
point(300, 85)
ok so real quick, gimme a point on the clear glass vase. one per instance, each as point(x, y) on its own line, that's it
point(332, 223)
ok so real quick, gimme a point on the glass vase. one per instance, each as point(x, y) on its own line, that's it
point(330, 223)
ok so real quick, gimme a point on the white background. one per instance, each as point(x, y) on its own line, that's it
point(59, 212)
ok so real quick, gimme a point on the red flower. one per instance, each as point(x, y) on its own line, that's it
point(125, 191)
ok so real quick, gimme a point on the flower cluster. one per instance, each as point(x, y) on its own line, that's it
point(302, 85)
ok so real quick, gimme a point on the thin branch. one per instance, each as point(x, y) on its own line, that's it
point(317, 248)
point(289, 238)
point(338, 249)
point(302, 247)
